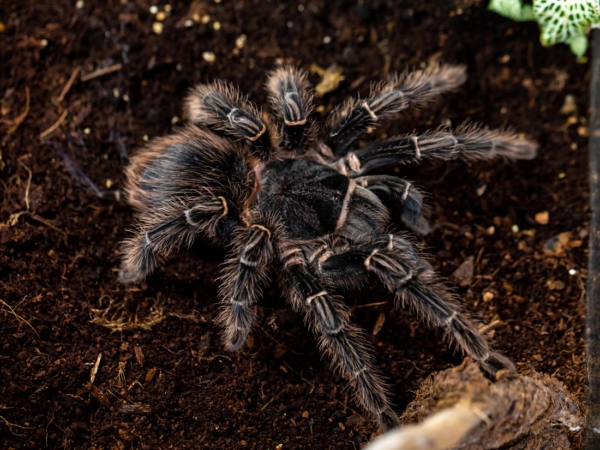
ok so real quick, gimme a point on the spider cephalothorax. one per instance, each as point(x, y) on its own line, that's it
point(280, 193)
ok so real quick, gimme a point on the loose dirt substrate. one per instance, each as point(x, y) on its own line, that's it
point(164, 380)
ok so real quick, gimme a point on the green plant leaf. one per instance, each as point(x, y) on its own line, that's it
point(563, 20)
point(578, 44)
point(513, 9)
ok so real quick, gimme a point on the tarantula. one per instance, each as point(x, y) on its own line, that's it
point(279, 193)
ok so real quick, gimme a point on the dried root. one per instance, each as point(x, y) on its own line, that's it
point(460, 408)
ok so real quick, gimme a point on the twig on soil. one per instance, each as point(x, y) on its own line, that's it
point(28, 183)
point(269, 402)
point(17, 121)
point(57, 124)
point(10, 425)
point(69, 84)
point(368, 305)
point(101, 72)
point(14, 218)
point(19, 317)
point(95, 369)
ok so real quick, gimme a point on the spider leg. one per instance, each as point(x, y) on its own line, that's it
point(356, 117)
point(396, 263)
point(291, 100)
point(220, 106)
point(401, 195)
point(468, 142)
point(244, 275)
point(167, 229)
point(346, 344)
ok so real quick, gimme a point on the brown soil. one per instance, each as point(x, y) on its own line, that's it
point(164, 380)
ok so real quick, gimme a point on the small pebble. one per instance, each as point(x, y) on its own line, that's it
point(562, 175)
point(126, 98)
point(503, 110)
point(515, 228)
point(217, 26)
point(542, 218)
point(80, 4)
point(157, 27)
point(168, 8)
point(491, 230)
point(145, 137)
point(188, 23)
point(572, 271)
point(488, 296)
point(174, 120)
point(108, 184)
point(205, 18)
point(44, 42)
point(505, 59)
point(240, 42)
point(209, 57)
point(153, 9)
point(305, 415)
point(160, 16)
point(326, 40)
point(87, 131)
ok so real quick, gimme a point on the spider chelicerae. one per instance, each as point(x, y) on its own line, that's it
point(280, 192)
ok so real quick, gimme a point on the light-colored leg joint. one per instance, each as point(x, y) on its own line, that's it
point(260, 227)
point(188, 218)
point(368, 260)
point(312, 297)
point(225, 207)
point(417, 149)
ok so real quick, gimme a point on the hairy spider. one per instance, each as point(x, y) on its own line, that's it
point(280, 193)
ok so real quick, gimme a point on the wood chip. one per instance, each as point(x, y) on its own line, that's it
point(555, 285)
point(139, 355)
point(378, 324)
point(150, 374)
